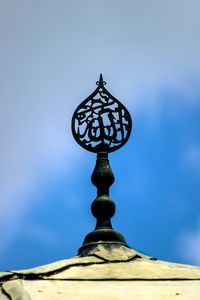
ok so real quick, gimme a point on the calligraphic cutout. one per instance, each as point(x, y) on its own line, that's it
point(101, 123)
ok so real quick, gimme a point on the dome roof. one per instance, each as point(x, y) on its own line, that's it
point(103, 272)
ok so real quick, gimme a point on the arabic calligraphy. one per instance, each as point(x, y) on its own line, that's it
point(101, 123)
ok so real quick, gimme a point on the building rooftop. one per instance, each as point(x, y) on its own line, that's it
point(104, 272)
point(105, 267)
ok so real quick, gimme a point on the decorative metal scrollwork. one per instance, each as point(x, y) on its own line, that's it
point(101, 123)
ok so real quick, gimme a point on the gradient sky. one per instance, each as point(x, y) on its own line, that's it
point(51, 54)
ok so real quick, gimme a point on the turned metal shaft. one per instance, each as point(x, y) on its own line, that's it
point(103, 208)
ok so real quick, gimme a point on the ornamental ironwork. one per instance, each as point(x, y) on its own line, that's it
point(101, 123)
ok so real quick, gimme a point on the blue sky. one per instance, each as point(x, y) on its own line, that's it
point(51, 54)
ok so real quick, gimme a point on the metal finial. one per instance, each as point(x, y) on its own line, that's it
point(102, 124)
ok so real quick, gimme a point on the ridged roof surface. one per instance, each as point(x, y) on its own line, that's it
point(104, 272)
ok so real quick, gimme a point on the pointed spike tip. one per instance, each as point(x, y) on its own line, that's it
point(100, 82)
